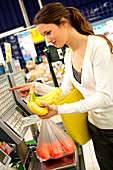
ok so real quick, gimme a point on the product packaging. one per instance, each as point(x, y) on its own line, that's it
point(53, 142)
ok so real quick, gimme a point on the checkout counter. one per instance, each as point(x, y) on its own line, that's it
point(15, 77)
point(12, 110)
point(10, 113)
point(11, 129)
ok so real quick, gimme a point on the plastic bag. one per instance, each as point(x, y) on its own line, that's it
point(53, 142)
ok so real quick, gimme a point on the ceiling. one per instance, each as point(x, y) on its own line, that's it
point(11, 15)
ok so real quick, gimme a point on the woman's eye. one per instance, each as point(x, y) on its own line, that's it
point(48, 32)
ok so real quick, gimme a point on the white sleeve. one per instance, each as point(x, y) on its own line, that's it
point(42, 89)
point(66, 86)
point(102, 71)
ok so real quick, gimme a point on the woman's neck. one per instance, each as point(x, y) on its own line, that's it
point(75, 40)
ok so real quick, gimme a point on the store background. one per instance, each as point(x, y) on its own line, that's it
point(97, 12)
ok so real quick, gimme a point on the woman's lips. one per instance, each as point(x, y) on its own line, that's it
point(54, 43)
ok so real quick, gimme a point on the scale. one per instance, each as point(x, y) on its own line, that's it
point(68, 162)
point(16, 78)
point(11, 115)
point(11, 118)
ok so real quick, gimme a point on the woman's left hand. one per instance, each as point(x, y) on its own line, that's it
point(52, 111)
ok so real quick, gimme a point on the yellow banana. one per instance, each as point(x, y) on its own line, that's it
point(49, 98)
point(34, 107)
point(48, 94)
point(31, 93)
point(38, 110)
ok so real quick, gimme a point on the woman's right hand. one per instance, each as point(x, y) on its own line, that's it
point(23, 89)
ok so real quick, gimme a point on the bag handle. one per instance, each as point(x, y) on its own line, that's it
point(67, 54)
point(66, 61)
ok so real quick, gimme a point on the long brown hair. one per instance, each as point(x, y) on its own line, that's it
point(53, 12)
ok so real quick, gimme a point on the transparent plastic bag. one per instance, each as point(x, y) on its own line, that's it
point(53, 142)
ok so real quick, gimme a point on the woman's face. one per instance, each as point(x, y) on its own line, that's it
point(55, 34)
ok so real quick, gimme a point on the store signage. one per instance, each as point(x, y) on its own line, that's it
point(36, 36)
point(27, 46)
point(106, 28)
point(8, 51)
point(1, 57)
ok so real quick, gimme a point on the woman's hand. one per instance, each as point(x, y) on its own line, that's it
point(23, 89)
point(52, 111)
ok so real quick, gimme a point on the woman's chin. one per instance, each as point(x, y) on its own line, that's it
point(59, 46)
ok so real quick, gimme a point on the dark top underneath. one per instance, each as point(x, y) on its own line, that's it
point(76, 74)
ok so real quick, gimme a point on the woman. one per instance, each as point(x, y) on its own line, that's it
point(89, 67)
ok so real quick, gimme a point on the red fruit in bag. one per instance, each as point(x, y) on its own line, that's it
point(43, 151)
point(56, 150)
point(68, 146)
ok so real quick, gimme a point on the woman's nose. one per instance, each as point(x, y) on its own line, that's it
point(48, 39)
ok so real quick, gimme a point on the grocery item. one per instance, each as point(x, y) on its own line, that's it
point(49, 98)
point(53, 142)
point(33, 106)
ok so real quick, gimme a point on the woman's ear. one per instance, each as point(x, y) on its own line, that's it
point(63, 21)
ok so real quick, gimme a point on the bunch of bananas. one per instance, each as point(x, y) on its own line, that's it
point(34, 102)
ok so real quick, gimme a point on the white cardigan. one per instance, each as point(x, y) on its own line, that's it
point(96, 84)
